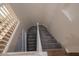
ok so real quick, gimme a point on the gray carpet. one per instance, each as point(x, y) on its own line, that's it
point(48, 41)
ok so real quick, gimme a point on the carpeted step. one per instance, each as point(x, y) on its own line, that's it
point(31, 38)
point(47, 40)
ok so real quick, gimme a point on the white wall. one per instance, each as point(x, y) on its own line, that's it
point(51, 15)
point(73, 41)
point(64, 30)
point(29, 14)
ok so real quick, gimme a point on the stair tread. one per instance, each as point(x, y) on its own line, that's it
point(51, 46)
point(31, 38)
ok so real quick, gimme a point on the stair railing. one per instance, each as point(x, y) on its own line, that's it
point(39, 46)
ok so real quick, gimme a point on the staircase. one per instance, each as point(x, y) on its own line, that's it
point(49, 45)
point(48, 42)
point(6, 34)
point(31, 38)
